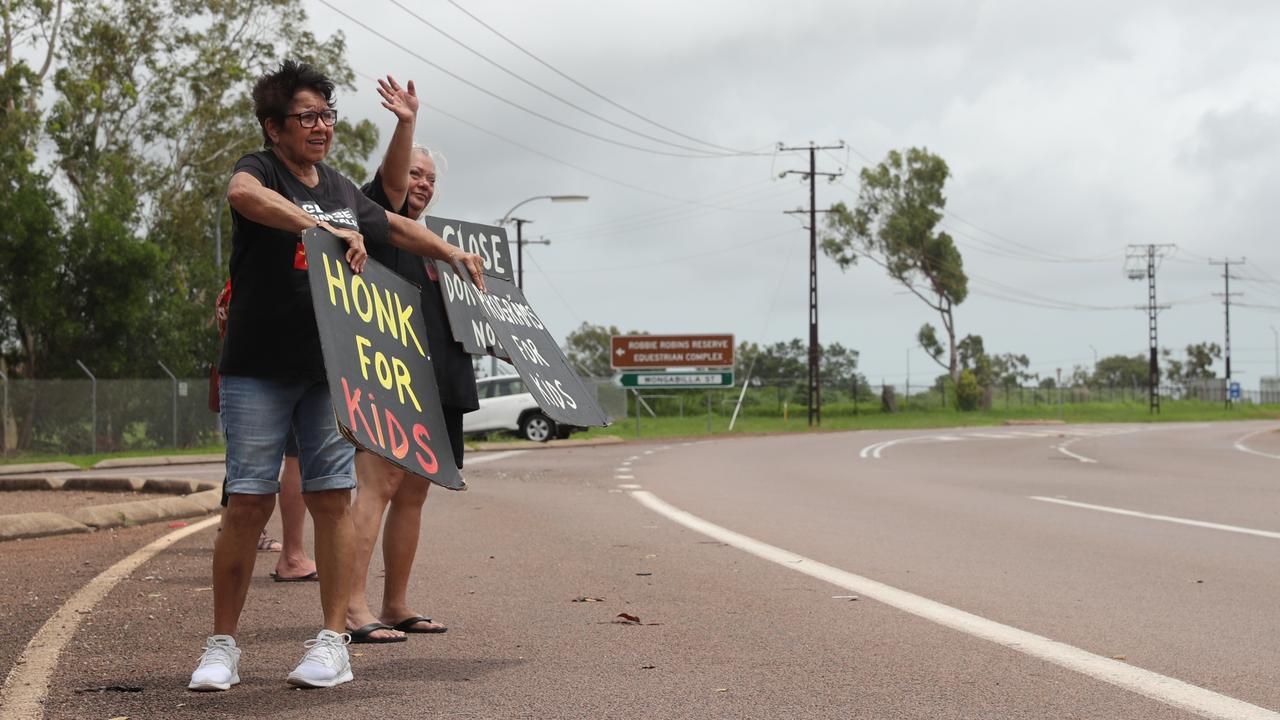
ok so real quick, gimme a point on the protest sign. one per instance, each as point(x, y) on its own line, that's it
point(537, 357)
point(487, 241)
point(466, 320)
point(375, 355)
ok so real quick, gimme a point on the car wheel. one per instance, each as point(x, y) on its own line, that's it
point(537, 427)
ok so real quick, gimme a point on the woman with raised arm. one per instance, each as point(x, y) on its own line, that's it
point(273, 375)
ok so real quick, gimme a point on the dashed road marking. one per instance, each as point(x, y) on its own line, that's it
point(1162, 518)
point(490, 457)
point(629, 486)
point(1161, 688)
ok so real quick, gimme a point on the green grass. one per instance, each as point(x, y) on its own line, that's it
point(842, 418)
point(835, 417)
point(89, 460)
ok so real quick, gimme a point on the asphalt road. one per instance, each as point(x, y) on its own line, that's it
point(1059, 572)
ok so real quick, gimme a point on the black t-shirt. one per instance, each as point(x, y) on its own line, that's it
point(454, 374)
point(271, 326)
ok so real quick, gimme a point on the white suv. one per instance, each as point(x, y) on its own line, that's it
point(506, 405)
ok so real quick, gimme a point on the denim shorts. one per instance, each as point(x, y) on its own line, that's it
point(257, 414)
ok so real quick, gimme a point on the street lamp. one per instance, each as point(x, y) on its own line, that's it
point(520, 222)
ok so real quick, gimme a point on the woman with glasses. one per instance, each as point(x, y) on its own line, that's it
point(273, 375)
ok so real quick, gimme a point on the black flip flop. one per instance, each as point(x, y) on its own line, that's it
point(312, 576)
point(406, 625)
point(364, 634)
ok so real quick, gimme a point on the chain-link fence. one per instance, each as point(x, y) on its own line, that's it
point(765, 397)
point(84, 416)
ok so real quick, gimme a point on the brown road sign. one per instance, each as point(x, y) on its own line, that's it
point(668, 351)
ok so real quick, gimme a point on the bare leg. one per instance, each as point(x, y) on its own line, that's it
point(376, 479)
point(400, 546)
point(293, 560)
point(234, 553)
point(335, 542)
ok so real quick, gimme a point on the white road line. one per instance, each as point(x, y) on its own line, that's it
point(624, 477)
point(22, 697)
point(1170, 691)
point(490, 457)
point(1063, 449)
point(991, 436)
point(1162, 518)
point(874, 450)
point(1239, 445)
point(629, 486)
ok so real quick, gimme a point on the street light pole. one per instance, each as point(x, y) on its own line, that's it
point(1277, 337)
point(520, 222)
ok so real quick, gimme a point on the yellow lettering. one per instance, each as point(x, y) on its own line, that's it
point(386, 316)
point(361, 344)
point(358, 286)
point(403, 313)
point(337, 282)
point(403, 382)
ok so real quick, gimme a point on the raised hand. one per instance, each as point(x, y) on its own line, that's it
point(401, 101)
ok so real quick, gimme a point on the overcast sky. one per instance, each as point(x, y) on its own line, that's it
point(1072, 129)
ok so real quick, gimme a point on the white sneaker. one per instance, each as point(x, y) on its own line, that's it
point(219, 665)
point(326, 663)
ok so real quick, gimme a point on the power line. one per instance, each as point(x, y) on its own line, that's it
point(551, 94)
point(564, 75)
point(507, 101)
point(1016, 250)
point(668, 261)
point(552, 158)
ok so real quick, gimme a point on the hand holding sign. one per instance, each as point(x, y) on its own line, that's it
point(356, 254)
point(466, 263)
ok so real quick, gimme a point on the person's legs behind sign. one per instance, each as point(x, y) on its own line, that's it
point(385, 488)
point(293, 565)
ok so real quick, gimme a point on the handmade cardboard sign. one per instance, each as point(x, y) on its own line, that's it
point(537, 357)
point(487, 241)
point(375, 356)
point(466, 320)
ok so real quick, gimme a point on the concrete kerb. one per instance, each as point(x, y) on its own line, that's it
point(37, 468)
point(115, 463)
point(198, 498)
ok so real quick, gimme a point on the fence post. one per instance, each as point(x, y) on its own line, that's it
point(93, 409)
point(4, 416)
point(174, 379)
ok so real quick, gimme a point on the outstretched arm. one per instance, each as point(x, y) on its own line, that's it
point(255, 201)
point(417, 239)
point(403, 103)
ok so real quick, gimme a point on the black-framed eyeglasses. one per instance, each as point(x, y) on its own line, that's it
point(308, 119)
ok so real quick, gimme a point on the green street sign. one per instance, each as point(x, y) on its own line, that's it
point(676, 379)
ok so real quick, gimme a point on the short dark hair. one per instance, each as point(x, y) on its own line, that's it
point(274, 91)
